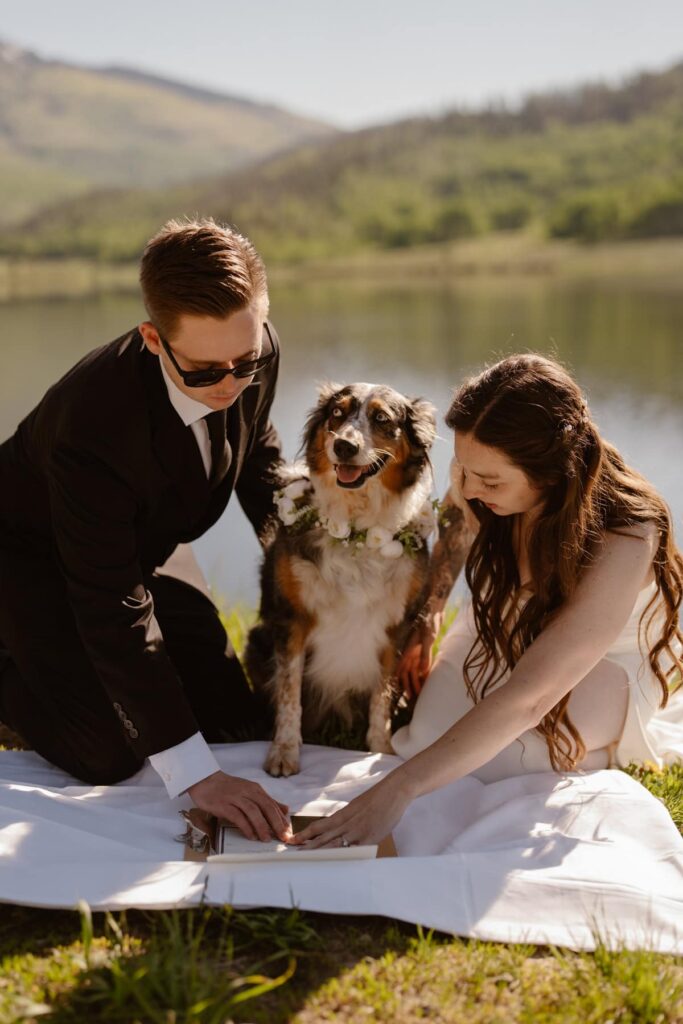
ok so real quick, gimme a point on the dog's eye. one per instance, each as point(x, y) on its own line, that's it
point(337, 413)
point(381, 417)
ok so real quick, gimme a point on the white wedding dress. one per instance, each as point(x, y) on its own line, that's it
point(649, 733)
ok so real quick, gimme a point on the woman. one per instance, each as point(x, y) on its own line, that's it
point(572, 639)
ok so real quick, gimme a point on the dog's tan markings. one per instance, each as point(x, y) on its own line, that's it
point(283, 756)
point(344, 404)
point(393, 477)
point(375, 406)
point(379, 729)
point(289, 586)
point(316, 455)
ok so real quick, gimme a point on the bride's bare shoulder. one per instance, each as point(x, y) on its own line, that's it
point(646, 532)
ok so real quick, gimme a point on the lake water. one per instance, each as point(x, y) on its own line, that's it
point(624, 347)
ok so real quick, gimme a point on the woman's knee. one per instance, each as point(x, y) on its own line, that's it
point(598, 705)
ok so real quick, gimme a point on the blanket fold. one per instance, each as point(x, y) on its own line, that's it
point(549, 859)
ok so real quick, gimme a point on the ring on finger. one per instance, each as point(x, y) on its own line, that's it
point(344, 841)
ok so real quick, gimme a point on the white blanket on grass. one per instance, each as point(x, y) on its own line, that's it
point(540, 858)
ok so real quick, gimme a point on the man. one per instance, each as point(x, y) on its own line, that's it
point(107, 658)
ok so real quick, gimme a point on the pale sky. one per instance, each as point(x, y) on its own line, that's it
point(358, 62)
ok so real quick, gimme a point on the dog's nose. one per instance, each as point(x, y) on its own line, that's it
point(344, 449)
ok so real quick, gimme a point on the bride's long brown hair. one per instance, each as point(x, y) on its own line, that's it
point(529, 408)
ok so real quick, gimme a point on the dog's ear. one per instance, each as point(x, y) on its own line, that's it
point(319, 413)
point(421, 423)
point(326, 389)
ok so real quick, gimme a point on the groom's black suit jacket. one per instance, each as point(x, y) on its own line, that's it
point(103, 479)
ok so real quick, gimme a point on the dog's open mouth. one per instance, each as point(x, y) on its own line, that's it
point(355, 476)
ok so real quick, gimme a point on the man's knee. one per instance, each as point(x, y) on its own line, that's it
point(107, 771)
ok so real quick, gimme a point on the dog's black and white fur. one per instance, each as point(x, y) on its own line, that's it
point(332, 611)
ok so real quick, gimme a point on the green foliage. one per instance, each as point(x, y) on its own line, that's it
point(590, 218)
point(456, 219)
point(593, 165)
point(666, 784)
point(215, 965)
point(659, 217)
point(188, 967)
point(430, 977)
point(66, 130)
point(394, 212)
point(237, 622)
point(287, 933)
point(512, 216)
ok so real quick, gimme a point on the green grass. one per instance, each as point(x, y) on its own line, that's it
point(214, 965)
point(666, 784)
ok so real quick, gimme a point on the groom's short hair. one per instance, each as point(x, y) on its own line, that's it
point(201, 268)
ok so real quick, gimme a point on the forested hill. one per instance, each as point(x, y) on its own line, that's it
point(597, 162)
point(66, 129)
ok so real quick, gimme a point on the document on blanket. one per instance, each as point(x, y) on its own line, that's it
point(232, 847)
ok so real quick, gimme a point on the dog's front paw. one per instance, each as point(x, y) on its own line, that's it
point(283, 759)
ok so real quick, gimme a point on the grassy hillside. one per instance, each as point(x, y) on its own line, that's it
point(594, 164)
point(67, 129)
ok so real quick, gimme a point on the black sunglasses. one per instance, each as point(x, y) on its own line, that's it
point(205, 378)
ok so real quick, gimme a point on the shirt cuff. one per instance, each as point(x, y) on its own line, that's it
point(184, 764)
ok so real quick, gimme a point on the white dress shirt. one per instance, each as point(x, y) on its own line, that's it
point(192, 760)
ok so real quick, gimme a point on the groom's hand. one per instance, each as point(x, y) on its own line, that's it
point(244, 804)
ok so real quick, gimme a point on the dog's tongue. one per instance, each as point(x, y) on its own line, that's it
point(348, 474)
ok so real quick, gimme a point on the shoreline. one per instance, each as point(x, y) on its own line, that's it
point(655, 264)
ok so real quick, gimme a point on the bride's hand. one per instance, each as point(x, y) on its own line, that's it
point(416, 660)
point(367, 819)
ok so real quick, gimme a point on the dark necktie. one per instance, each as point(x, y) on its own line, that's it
point(220, 449)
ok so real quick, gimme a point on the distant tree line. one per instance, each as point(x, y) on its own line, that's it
point(594, 164)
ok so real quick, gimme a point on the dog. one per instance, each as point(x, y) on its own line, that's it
point(344, 574)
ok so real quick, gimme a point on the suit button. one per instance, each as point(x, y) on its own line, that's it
point(117, 707)
point(133, 733)
point(127, 723)
point(122, 715)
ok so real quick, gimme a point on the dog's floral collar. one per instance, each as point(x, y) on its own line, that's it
point(298, 514)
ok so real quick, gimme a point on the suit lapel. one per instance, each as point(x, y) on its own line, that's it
point(236, 442)
point(238, 433)
point(177, 453)
point(174, 444)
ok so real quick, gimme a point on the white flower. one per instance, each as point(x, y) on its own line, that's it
point(296, 489)
point(426, 520)
point(377, 537)
point(394, 549)
point(287, 511)
point(339, 528)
